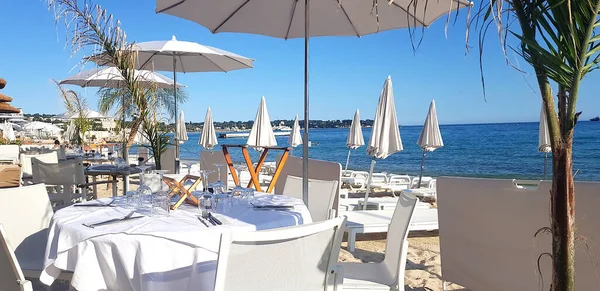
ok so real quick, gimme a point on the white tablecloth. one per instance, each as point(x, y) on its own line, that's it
point(152, 253)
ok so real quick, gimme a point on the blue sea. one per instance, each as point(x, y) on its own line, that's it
point(507, 150)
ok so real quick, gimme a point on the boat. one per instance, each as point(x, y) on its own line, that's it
point(597, 118)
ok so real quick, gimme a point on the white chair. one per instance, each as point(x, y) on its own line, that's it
point(25, 213)
point(320, 196)
point(9, 153)
point(399, 183)
point(167, 161)
point(51, 157)
point(424, 182)
point(66, 180)
point(389, 274)
point(298, 258)
point(11, 275)
point(359, 179)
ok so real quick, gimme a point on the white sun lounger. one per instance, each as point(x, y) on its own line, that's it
point(377, 221)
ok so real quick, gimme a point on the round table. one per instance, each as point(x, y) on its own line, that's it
point(175, 252)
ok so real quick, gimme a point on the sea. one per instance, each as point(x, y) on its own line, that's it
point(501, 150)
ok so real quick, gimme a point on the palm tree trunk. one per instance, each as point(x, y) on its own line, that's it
point(563, 216)
point(134, 129)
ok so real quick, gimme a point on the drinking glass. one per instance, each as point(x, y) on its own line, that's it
point(161, 204)
point(206, 204)
point(218, 186)
point(133, 199)
point(222, 203)
point(238, 190)
point(204, 174)
point(144, 191)
point(249, 195)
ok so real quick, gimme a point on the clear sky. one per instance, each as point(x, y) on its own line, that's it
point(346, 73)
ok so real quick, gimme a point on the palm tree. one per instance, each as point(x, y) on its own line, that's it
point(155, 103)
point(560, 40)
point(88, 27)
point(76, 105)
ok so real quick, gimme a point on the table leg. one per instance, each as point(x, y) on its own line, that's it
point(114, 186)
point(125, 184)
point(251, 170)
point(351, 240)
point(95, 186)
point(229, 162)
point(278, 170)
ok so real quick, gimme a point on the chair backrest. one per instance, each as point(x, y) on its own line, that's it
point(379, 178)
point(67, 172)
point(294, 258)
point(51, 157)
point(400, 180)
point(208, 160)
point(395, 259)
point(25, 213)
point(320, 195)
point(360, 174)
point(347, 173)
point(11, 275)
point(61, 153)
point(432, 184)
point(317, 169)
point(167, 160)
point(9, 152)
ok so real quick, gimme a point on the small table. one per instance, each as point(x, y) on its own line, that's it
point(255, 171)
point(113, 171)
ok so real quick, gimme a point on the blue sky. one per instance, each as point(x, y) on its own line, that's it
point(346, 73)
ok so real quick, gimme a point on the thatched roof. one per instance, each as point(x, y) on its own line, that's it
point(2, 83)
point(6, 108)
point(4, 98)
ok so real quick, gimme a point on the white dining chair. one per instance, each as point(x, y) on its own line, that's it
point(321, 195)
point(65, 180)
point(25, 213)
point(297, 258)
point(11, 275)
point(51, 157)
point(389, 274)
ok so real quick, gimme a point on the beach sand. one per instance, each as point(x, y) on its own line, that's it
point(423, 268)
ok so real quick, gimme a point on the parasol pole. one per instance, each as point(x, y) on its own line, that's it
point(305, 136)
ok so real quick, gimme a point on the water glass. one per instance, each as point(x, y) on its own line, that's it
point(222, 203)
point(133, 199)
point(206, 204)
point(161, 206)
point(249, 195)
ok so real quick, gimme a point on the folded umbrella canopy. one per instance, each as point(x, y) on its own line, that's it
point(208, 139)
point(544, 145)
point(295, 139)
point(385, 135)
point(181, 56)
point(290, 19)
point(431, 137)
point(355, 136)
point(262, 134)
point(181, 132)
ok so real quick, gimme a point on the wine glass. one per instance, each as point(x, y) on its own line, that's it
point(218, 186)
point(238, 190)
point(204, 174)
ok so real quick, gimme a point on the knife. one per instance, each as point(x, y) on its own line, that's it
point(210, 216)
point(115, 220)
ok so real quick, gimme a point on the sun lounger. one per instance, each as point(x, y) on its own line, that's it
point(377, 221)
